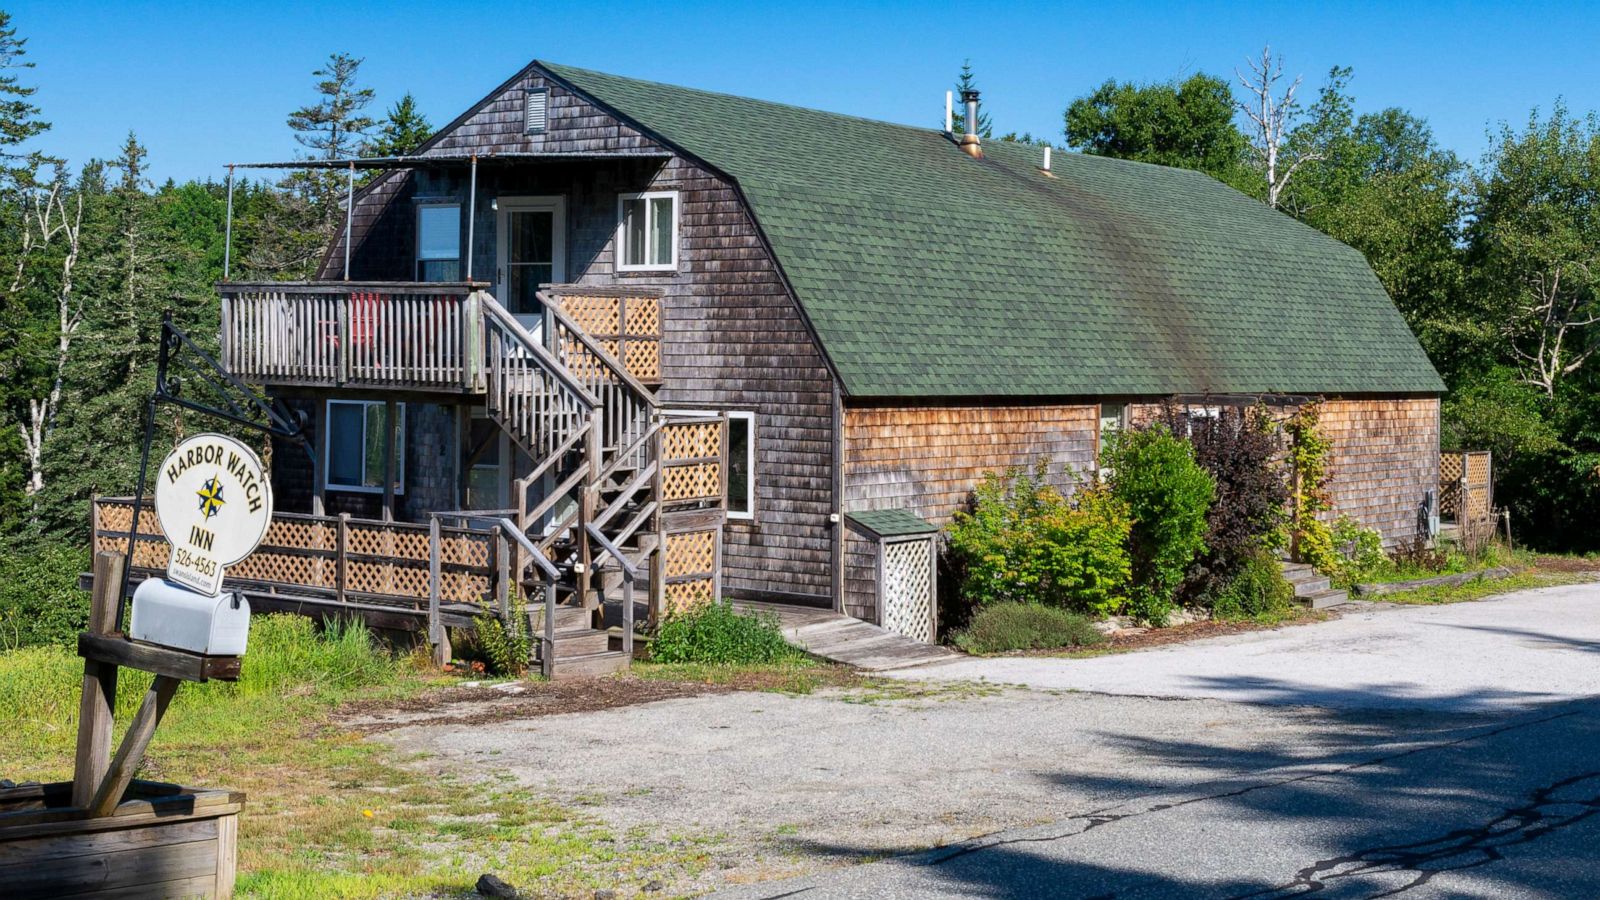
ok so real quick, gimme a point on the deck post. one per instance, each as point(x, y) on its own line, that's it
point(547, 643)
point(99, 698)
point(319, 466)
point(502, 558)
point(441, 646)
point(627, 609)
point(227, 234)
point(658, 559)
point(388, 459)
point(339, 557)
point(349, 216)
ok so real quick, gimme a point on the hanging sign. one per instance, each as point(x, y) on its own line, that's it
point(214, 501)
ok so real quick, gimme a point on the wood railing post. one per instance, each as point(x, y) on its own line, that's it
point(343, 334)
point(341, 551)
point(627, 612)
point(99, 698)
point(547, 643)
point(502, 558)
point(436, 636)
point(658, 558)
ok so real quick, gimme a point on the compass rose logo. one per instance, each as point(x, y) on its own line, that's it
point(210, 495)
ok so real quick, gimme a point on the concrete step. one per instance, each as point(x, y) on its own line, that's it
point(1311, 586)
point(1323, 599)
point(589, 666)
point(578, 642)
point(1306, 580)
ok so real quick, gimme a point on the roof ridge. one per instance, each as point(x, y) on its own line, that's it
point(560, 68)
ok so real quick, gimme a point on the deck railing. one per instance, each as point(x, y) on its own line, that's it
point(334, 557)
point(377, 334)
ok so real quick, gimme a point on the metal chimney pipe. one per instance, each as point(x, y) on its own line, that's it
point(969, 140)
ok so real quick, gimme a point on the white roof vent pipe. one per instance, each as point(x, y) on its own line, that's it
point(949, 113)
point(1046, 166)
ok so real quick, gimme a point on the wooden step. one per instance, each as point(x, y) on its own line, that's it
point(1323, 599)
point(590, 666)
point(568, 618)
point(579, 642)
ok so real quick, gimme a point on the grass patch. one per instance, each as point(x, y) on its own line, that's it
point(329, 814)
point(1482, 587)
point(798, 674)
point(1005, 627)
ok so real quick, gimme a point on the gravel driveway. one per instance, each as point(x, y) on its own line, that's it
point(1372, 729)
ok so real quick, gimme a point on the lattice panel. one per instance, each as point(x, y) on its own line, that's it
point(907, 590)
point(644, 316)
point(701, 482)
point(697, 440)
point(148, 554)
point(687, 594)
point(462, 587)
point(586, 366)
point(1451, 465)
point(464, 550)
point(642, 359)
point(302, 535)
point(116, 516)
point(691, 553)
point(596, 315)
point(284, 568)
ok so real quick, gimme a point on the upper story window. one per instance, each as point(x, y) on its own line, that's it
point(439, 242)
point(357, 435)
point(647, 236)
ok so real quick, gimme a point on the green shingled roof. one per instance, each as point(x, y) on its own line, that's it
point(928, 273)
point(892, 522)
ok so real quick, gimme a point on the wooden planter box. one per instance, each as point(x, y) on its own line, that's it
point(163, 840)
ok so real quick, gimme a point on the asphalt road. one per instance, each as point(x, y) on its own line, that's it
point(1436, 752)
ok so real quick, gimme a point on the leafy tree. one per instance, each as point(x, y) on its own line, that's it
point(402, 131)
point(1186, 124)
point(966, 81)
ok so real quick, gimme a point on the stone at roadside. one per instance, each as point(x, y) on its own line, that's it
point(493, 886)
point(652, 886)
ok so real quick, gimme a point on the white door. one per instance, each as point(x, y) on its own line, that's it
point(531, 250)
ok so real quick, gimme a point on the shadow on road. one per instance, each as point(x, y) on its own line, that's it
point(1351, 802)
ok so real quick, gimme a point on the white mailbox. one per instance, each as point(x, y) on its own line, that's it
point(173, 616)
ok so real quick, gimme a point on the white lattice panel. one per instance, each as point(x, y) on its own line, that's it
point(907, 589)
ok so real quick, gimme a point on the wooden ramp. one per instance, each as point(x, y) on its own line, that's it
point(839, 638)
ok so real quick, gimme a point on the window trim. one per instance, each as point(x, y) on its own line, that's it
point(750, 466)
point(622, 228)
point(417, 259)
point(328, 483)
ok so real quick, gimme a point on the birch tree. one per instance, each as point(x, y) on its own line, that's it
point(1535, 237)
point(1272, 112)
point(52, 221)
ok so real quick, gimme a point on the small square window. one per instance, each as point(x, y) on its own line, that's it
point(647, 232)
point(354, 445)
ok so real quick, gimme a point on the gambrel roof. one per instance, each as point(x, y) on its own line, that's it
point(928, 273)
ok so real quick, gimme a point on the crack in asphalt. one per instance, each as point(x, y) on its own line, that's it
point(1468, 847)
point(1099, 818)
point(1517, 825)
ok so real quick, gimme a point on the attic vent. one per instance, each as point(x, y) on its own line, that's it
point(536, 113)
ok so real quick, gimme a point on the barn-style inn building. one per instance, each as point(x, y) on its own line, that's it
point(763, 352)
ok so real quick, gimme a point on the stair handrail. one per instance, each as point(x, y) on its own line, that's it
point(630, 573)
point(496, 519)
point(547, 360)
point(636, 405)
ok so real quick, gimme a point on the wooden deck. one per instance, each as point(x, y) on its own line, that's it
point(839, 638)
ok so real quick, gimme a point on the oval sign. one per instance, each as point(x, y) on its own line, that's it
point(214, 501)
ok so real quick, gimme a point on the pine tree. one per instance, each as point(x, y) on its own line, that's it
point(966, 82)
point(403, 130)
point(19, 118)
point(332, 128)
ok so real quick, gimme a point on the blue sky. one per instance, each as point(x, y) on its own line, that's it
point(208, 83)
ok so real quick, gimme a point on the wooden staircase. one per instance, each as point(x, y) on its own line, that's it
point(593, 432)
point(1311, 589)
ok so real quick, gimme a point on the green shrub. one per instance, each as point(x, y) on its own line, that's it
point(1001, 627)
point(1257, 590)
point(1344, 551)
point(1023, 542)
point(1168, 494)
point(506, 648)
point(715, 633)
point(40, 602)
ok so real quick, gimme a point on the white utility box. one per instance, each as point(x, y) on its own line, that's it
point(176, 617)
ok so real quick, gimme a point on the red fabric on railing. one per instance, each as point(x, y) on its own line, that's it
point(363, 318)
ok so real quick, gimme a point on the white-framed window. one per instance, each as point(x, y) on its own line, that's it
point(438, 242)
point(1113, 418)
point(741, 465)
point(647, 232)
point(354, 443)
